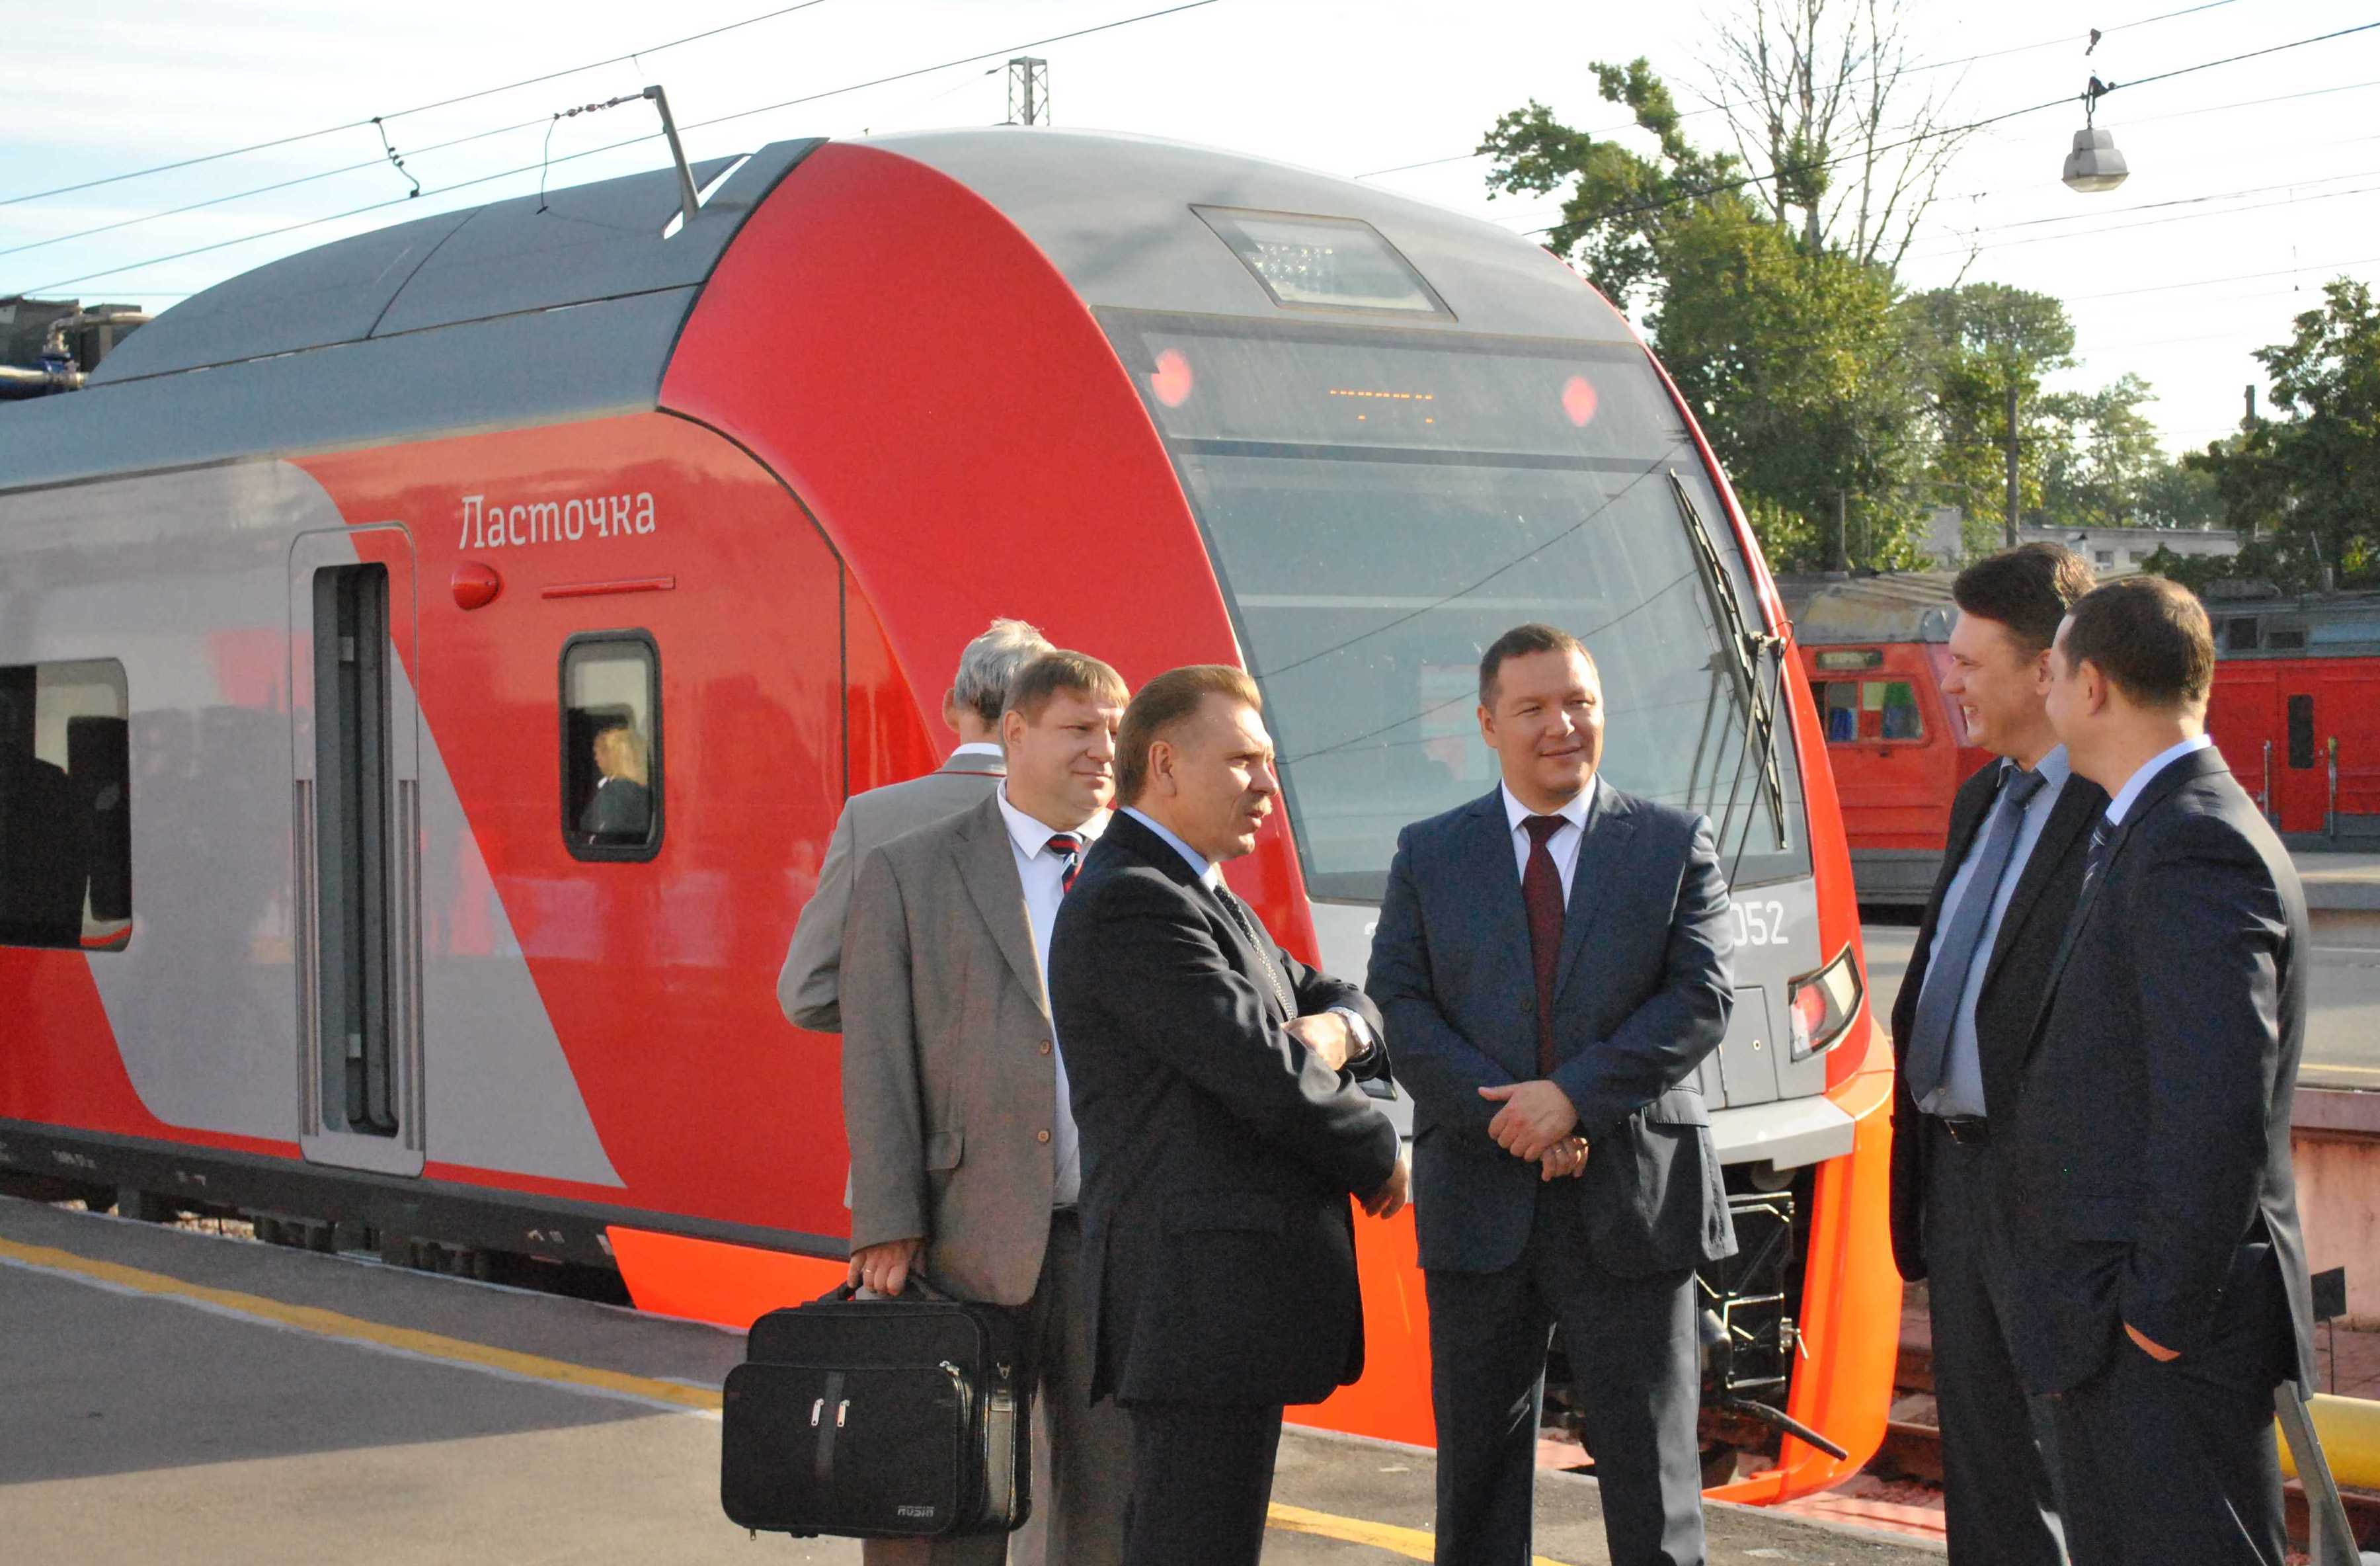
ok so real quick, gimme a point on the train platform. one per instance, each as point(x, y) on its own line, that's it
point(179, 1398)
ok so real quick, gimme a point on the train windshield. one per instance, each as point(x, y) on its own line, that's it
point(1381, 503)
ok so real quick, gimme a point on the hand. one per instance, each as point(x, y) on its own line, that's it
point(1326, 1034)
point(885, 1268)
point(1535, 1115)
point(1565, 1159)
point(2148, 1346)
point(1389, 1199)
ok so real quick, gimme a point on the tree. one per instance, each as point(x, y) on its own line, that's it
point(2175, 494)
point(2313, 479)
point(1795, 357)
point(1818, 92)
point(2096, 474)
point(1979, 342)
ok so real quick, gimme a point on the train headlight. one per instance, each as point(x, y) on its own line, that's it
point(1824, 1004)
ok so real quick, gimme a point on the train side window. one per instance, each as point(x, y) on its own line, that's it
point(65, 816)
point(2300, 733)
point(2240, 634)
point(1894, 705)
point(612, 786)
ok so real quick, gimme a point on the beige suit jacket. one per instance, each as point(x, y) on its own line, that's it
point(806, 987)
point(949, 1085)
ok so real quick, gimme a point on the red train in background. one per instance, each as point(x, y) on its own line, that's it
point(2296, 705)
point(1873, 650)
point(328, 606)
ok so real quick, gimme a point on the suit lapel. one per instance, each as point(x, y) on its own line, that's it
point(1488, 841)
point(987, 869)
point(1611, 822)
point(2187, 769)
point(2068, 823)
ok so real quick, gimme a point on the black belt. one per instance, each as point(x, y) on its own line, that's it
point(1967, 1130)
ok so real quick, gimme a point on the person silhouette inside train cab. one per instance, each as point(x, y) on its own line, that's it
point(42, 849)
point(621, 808)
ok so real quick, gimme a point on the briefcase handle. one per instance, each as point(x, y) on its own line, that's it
point(842, 1294)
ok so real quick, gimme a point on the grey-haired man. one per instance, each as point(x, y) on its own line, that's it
point(808, 988)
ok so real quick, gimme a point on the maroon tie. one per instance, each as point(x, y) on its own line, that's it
point(1069, 850)
point(1541, 891)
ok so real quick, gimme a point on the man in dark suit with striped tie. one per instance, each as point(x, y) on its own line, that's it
point(2010, 873)
point(1552, 961)
point(2161, 1292)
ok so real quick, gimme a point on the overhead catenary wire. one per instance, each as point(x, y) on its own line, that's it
point(1912, 70)
point(400, 114)
point(1722, 186)
point(629, 141)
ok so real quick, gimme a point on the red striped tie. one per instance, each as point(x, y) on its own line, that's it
point(1069, 848)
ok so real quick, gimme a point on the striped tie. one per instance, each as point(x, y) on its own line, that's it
point(1069, 850)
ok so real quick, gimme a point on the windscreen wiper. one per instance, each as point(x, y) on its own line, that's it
point(1744, 649)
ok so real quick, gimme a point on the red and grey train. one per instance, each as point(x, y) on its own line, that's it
point(332, 603)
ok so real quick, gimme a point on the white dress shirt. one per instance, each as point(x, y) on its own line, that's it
point(1961, 1091)
point(1563, 844)
point(2139, 781)
point(978, 748)
point(1042, 873)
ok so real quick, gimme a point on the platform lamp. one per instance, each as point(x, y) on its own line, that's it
point(2095, 165)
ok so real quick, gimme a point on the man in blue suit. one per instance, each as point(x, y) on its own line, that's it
point(1552, 964)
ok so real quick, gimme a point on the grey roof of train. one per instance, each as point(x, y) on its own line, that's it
point(528, 311)
point(540, 309)
point(1897, 606)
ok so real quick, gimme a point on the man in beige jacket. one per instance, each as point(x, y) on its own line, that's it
point(808, 989)
point(965, 1164)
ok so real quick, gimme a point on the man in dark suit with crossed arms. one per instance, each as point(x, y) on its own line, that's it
point(2010, 873)
point(1214, 1083)
point(1552, 961)
point(2161, 1291)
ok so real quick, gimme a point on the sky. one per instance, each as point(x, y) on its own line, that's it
point(2252, 182)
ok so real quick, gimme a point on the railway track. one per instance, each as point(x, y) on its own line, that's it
point(1912, 1443)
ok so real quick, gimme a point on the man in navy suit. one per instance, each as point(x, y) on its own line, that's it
point(1552, 963)
point(2160, 1288)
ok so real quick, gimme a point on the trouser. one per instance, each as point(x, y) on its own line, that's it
point(1999, 1445)
point(2175, 1462)
point(1635, 1365)
point(1202, 1483)
point(1082, 1453)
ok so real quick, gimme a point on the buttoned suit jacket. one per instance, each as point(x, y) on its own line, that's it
point(2010, 1002)
point(1642, 995)
point(2143, 1170)
point(808, 985)
point(949, 1085)
point(1218, 1153)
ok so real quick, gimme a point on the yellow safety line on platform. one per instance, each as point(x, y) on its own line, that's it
point(1411, 1543)
point(1414, 1544)
point(332, 1324)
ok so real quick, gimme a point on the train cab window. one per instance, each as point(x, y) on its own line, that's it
point(1894, 703)
point(612, 745)
point(66, 818)
point(1839, 706)
point(2240, 634)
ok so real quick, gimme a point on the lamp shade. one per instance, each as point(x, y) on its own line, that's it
point(2095, 165)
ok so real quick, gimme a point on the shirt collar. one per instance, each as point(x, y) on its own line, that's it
point(2053, 768)
point(1205, 871)
point(1031, 835)
point(978, 748)
point(1574, 812)
point(2138, 783)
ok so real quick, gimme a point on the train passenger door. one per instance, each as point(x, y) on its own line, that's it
point(2301, 759)
point(355, 764)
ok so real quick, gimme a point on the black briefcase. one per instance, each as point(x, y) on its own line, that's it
point(899, 1418)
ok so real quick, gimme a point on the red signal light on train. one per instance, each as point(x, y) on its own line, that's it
point(1579, 400)
point(1173, 380)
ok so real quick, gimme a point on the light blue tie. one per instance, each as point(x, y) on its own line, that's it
point(1954, 949)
